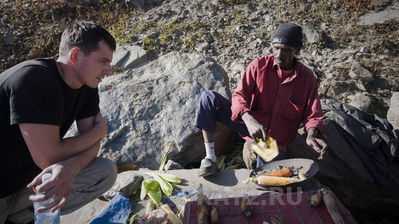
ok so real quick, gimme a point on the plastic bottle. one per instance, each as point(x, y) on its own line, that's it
point(46, 217)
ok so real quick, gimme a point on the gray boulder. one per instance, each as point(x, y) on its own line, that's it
point(144, 3)
point(358, 72)
point(389, 14)
point(311, 35)
point(361, 101)
point(149, 108)
point(127, 183)
point(172, 165)
point(128, 56)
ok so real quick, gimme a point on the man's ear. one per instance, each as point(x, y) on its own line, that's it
point(74, 55)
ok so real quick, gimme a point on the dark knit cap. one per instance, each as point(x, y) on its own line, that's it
point(288, 33)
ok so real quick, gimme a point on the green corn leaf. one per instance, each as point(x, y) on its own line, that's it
point(171, 178)
point(151, 187)
point(166, 187)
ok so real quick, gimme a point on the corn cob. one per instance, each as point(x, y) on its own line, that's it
point(275, 181)
point(275, 219)
point(246, 207)
point(302, 176)
point(285, 172)
point(203, 212)
point(214, 216)
point(332, 207)
point(172, 217)
point(315, 199)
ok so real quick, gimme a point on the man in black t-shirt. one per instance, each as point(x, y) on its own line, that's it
point(39, 100)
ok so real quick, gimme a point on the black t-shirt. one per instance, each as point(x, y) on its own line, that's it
point(34, 92)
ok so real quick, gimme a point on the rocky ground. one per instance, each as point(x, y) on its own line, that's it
point(233, 32)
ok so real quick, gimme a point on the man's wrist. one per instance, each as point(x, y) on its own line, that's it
point(245, 116)
point(313, 132)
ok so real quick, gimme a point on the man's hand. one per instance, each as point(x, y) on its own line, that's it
point(255, 129)
point(58, 185)
point(249, 156)
point(316, 143)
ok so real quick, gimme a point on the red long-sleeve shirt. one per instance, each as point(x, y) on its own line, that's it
point(278, 101)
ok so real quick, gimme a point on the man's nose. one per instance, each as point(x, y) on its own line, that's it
point(107, 70)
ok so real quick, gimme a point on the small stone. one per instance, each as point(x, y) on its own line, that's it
point(361, 101)
point(9, 39)
point(358, 72)
point(202, 47)
point(172, 165)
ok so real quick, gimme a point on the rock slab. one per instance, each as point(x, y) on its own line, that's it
point(153, 107)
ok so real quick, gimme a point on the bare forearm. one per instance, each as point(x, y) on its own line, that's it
point(80, 143)
point(46, 148)
point(82, 159)
point(91, 131)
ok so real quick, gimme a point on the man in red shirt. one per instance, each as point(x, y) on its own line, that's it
point(275, 95)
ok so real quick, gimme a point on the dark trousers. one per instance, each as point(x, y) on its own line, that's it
point(214, 107)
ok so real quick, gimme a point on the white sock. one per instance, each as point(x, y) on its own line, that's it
point(210, 151)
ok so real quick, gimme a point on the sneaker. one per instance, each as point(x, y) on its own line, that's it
point(208, 167)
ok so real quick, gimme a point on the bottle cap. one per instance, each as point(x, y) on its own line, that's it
point(45, 177)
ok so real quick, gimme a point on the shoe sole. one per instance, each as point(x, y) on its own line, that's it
point(206, 173)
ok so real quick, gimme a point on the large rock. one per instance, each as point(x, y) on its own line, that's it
point(144, 3)
point(149, 108)
point(311, 34)
point(393, 112)
point(128, 56)
point(361, 101)
point(389, 14)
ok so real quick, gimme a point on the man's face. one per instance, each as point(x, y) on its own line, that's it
point(93, 67)
point(284, 56)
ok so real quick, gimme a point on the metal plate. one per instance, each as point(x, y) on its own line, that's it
point(309, 167)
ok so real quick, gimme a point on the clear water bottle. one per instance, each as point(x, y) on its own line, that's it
point(46, 217)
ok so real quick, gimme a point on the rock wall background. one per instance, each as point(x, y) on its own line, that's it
point(169, 51)
point(351, 45)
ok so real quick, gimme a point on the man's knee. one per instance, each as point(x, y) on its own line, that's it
point(109, 167)
point(104, 169)
point(207, 97)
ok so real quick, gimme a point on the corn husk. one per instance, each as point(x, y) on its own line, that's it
point(172, 217)
point(266, 150)
point(166, 187)
point(171, 178)
point(151, 188)
point(165, 156)
point(332, 207)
